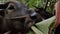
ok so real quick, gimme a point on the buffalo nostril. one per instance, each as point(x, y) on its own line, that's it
point(1, 12)
point(34, 16)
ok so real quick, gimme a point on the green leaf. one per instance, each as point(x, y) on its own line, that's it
point(37, 31)
point(44, 25)
point(31, 32)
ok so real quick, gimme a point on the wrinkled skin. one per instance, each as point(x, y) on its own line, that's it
point(17, 20)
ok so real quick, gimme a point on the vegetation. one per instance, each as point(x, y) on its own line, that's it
point(43, 26)
point(39, 3)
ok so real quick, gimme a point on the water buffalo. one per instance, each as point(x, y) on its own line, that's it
point(16, 17)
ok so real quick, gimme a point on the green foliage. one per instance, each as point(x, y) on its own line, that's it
point(39, 3)
point(52, 25)
point(43, 27)
point(31, 32)
point(1, 1)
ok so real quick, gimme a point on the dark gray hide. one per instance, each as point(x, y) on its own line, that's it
point(16, 19)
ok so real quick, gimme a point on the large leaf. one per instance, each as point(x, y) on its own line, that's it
point(37, 31)
point(31, 32)
point(43, 27)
